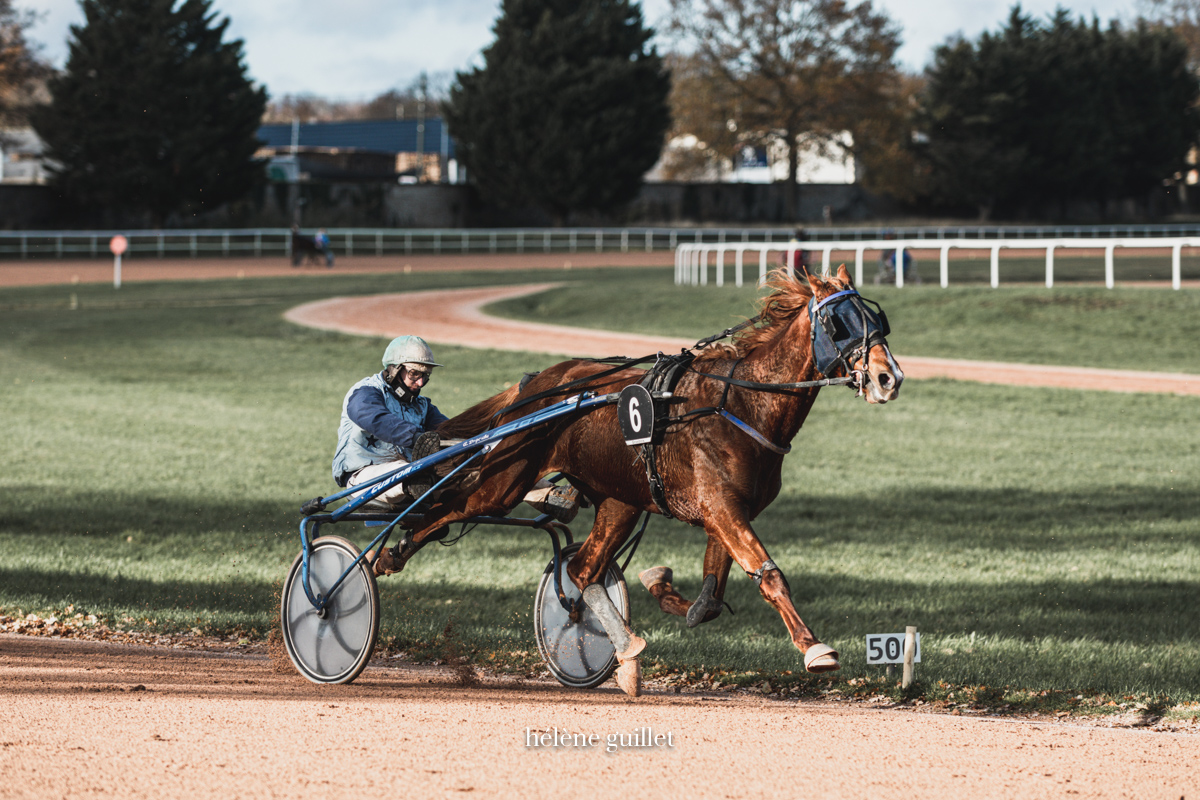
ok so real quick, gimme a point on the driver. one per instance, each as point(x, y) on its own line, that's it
point(386, 422)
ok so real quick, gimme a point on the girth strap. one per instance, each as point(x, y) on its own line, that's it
point(657, 489)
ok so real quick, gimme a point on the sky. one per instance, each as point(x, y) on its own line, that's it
point(358, 49)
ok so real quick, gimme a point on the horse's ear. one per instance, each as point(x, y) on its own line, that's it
point(844, 276)
point(814, 282)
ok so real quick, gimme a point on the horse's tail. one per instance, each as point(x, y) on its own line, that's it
point(479, 417)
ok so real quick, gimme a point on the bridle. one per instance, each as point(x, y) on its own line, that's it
point(840, 336)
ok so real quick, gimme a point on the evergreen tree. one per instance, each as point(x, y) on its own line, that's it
point(154, 112)
point(1059, 110)
point(568, 111)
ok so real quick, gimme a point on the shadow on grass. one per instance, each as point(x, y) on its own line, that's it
point(991, 518)
point(1010, 518)
point(194, 601)
point(37, 509)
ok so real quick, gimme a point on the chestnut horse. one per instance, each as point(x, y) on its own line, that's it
point(715, 475)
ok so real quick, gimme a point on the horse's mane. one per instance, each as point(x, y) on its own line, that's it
point(787, 297)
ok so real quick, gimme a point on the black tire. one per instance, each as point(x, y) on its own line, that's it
point(579, 654)
point(334, 647)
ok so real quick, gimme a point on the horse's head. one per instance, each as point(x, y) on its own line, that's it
point(850, 336)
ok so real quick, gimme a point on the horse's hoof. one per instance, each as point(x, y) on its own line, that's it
point(629, 677)
point(655, 575)
point(821, 658)
point(636, 645)
point(706, 607)
point(386, 563)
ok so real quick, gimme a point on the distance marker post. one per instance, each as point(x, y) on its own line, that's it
point(118, 244)
point(896, 648)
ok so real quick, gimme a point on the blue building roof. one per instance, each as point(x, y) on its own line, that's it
point(379, 135)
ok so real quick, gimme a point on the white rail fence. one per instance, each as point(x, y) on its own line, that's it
point(692, 259)
point(274, 242)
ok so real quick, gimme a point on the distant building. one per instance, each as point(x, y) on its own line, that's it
point(830, 163)
point(21, 157)
point(367, 150)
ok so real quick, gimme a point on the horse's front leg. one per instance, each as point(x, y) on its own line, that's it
point(707, 605)
point(730, 526)
point(614, 521)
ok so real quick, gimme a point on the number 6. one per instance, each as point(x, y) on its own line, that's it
point(635, 418)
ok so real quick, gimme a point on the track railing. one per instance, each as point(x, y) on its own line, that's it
point(692, 259)
point(369, 241)
point(410, 241)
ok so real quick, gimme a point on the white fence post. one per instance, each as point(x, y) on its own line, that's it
point(899, 266)
point(1108, 266)
point(720, 266)
point(825, 261)
point(944, 269)
point(995, 266)
point(737, 266)
point(1049, 266)
point(762, 266)
point(1176, 259)
point(858, 266)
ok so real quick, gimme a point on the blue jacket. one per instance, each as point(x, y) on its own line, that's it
point(378, 426)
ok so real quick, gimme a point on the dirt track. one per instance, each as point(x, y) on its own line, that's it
point(100, 270)
point(88, 719)
point(84, 719)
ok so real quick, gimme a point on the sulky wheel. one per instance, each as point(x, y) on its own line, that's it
point(578, 654)
point(335, 644)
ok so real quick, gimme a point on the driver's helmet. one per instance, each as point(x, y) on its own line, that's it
point(408, 350)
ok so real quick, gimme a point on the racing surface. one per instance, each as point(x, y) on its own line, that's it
point(90, 719)
point(95, 719)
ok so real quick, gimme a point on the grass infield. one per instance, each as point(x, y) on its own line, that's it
point(161, 438)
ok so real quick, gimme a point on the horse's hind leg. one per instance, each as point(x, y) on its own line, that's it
point(707, 605)
point(614, 521)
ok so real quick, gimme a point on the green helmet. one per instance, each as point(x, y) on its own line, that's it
point(408, 350)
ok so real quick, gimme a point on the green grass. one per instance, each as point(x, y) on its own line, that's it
point(1128, 265)
point(158, 448)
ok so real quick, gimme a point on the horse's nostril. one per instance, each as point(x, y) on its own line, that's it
point(885, 381)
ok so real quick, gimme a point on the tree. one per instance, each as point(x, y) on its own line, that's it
point(569, 109)
point(703, 138)
point(1181, 16)
point(21, 70)
point(1057, 110)
point(392, 104)
point(154, 113)
point(797, 69)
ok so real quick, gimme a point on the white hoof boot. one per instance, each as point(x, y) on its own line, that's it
point(821, 658)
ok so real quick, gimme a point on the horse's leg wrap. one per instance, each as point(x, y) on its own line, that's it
point(757, 575)
point(625, 641)
point(707, 606)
